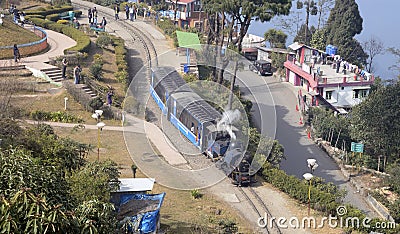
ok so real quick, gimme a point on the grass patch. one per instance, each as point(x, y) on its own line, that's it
point(14, 34)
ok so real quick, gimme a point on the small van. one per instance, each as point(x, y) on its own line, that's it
point(262, 67)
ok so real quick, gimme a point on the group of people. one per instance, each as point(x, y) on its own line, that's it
point(131, 12)
point(93, 19)
point(18, 16)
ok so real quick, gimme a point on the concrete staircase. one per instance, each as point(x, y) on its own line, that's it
point(87, 90)
point(54, 73)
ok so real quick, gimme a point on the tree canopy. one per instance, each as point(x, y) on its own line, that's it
point(276, 38)
point(343, 24)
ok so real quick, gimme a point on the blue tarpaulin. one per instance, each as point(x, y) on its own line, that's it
point(143, 222)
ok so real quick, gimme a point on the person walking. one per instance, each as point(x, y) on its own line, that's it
point(127, 11)
point(116, 11)
point(131, 12)
point(17, 55)
point(77, 73)
point(64, 64)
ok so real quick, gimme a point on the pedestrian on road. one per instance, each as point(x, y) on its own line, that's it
point(64, 64)
point(116, 11)
point(17, 55)
point(131, 12)
point(90, 15)
point(110, 94)
point(77, 73)
point(103, 23)
point(94, 12)
point(127, 11)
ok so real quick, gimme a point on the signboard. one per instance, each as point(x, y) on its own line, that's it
point(357, 147)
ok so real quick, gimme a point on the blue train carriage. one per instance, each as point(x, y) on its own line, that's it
point(164, 81)
point(197, 120)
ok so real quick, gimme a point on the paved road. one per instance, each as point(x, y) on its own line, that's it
point(298, 148)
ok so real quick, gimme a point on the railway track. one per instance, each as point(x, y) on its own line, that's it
point(134, 32)
point(260, 208)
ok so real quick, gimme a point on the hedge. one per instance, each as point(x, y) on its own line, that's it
point(83, 41)
point(49, 11)
point(323, 198)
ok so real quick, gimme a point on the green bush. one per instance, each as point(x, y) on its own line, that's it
point(96, 70)
point(57, 116)
point(53, 17)
point(45, 12)
point(29, 17)
point(103, 40)
point(95, 104)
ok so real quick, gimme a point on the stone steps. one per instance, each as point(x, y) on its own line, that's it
point(55, 73)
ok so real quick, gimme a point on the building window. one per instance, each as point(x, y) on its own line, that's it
point(360, 93)
point(328, 95)
point(197, 6)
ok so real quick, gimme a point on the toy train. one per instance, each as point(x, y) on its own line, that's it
point(188, 112)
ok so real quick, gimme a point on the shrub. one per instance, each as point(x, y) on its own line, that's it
point(96, 70)
point(49, 11)
point(57, 116)
point(98, 58)
point(103, 40)
point(53, 17)
point(95, 104)
point(196, 194)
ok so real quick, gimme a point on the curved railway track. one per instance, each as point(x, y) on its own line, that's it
point(260, 208)
point(135, 33)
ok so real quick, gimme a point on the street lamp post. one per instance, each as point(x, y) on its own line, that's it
point(312, 164)
point(308, 177)
point(100, 127)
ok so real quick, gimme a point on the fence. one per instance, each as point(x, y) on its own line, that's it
point(6, 52)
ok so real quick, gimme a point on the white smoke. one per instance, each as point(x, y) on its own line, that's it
point(228, 118)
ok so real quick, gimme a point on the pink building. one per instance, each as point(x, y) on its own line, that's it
point(326, 79)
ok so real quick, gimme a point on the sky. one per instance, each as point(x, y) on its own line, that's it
point(379, 20)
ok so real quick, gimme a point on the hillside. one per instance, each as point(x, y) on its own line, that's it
point(14, 34)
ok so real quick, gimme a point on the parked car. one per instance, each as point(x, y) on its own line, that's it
point(262, 67)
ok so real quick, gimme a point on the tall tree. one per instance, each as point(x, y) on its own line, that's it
point(343, 24)
point(395, 52)
point(324, 6)
point(373, 47)
point(311, 9)
point(300, 37)
point(276, 38)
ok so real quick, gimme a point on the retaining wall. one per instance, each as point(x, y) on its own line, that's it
point(6, 52)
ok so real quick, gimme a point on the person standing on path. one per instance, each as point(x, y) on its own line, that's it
point(110, 94)
point(77, 73)
point(90, 15)
point(103, 23)
point(64, 64)
point(94, 12)
point(17, 55)
point(127, 11)
point(116, 11)
point(131, 12)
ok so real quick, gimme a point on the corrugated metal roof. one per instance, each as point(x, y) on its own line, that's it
point(169, 78)
point(136, 184)
point(197, 107)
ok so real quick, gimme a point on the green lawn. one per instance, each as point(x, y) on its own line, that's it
point(13, 34)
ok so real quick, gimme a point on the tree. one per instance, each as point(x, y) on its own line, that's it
point(376, 122)
point(323, 7)
point(373, 47)
point(343, 24)
point(276, 38)
point(311, 8)
point(300, 35)
point(318, 39)
point(395, 52)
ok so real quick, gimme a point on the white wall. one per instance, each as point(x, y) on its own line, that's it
point(344, 97)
